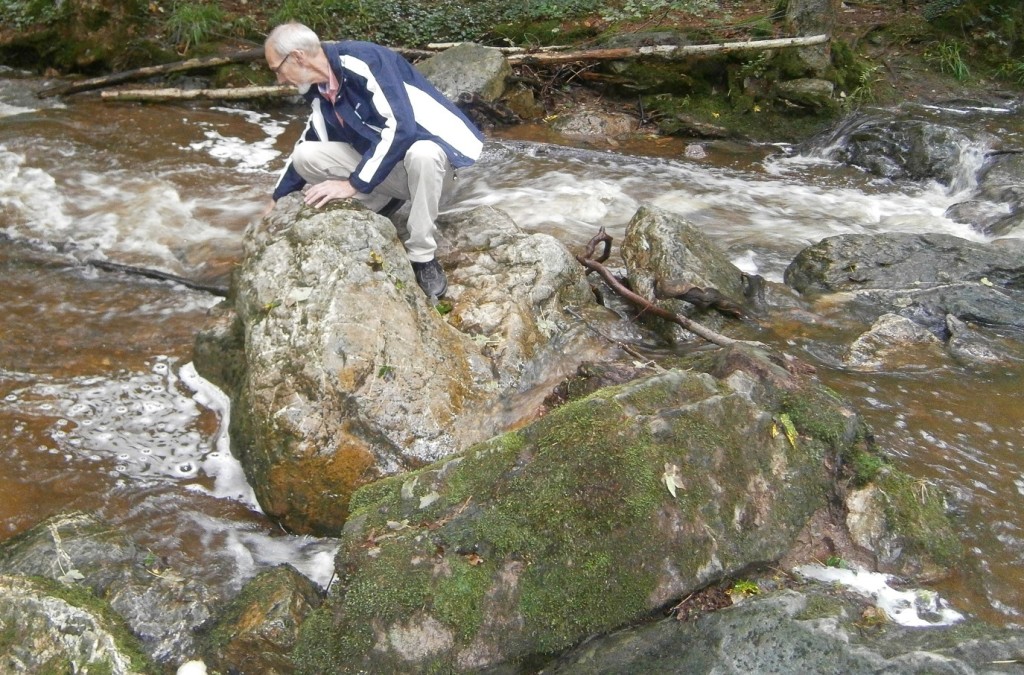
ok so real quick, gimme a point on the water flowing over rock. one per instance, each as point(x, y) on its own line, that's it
point(899, 149)
point(996, 206)
point(347, 373)
point(593, 517)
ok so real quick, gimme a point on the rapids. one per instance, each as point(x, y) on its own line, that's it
point(101, 410)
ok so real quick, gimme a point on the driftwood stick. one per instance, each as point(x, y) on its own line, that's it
point(226, 94)
point(643, 303)
point(108, 266)
point(666, 51)
point(647, 306)
point(149, 71)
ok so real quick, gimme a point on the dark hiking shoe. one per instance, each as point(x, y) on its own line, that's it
point(389, 209)
point(430, 277)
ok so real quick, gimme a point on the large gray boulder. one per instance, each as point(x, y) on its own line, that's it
point(468, 68)
point(593, 517)
point(341, 372)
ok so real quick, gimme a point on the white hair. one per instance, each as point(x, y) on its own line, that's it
point(290, 37)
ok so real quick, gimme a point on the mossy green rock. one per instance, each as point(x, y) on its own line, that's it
point(593, 517)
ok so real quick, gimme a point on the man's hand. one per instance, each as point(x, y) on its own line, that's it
point(327, 191)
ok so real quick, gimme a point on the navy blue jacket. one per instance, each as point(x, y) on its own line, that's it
point(385, 105)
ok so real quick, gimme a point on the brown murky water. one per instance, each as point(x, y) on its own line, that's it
point(100, 413)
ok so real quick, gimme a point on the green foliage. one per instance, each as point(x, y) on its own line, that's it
point(18, 14)
point(948, 56)
point(190, 23)
point(1012, 70)
point(638, 9)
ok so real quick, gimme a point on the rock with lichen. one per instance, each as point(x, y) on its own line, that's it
point(341, 371)
point(595, 516)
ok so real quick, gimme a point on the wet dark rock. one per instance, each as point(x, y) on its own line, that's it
point(924, 278)
point(811, 629)
point(82, 552)
point(899, 148)
point(996, 206)
point(972, 345)
point(256, 632)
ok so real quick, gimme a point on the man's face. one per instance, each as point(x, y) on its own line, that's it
point(290, 69)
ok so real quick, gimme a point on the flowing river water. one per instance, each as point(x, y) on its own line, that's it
point(100, 409)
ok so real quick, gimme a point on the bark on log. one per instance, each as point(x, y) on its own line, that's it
point(671, 52)
point(229, 94)
point(141, 73)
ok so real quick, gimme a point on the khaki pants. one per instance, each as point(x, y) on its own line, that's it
point(422, 179)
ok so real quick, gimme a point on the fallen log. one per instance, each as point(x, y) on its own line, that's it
point(671, 52)
point(149, 71)
point(244, 56)
point(226, 94)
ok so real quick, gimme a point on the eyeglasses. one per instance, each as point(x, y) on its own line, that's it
point(276, 68)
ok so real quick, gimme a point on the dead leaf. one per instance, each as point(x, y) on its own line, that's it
point(672, 479)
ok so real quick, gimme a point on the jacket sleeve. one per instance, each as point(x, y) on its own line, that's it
point(289, 180)
point(385, 89)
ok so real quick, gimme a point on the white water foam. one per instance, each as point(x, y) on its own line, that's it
point(229, 478)
point(918, 608)
point(248, 156)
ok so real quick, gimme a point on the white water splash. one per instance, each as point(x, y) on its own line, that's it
point(918, 608)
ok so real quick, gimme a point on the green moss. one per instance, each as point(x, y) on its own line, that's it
point(321, 647)
point(459, 598)
point(820, 607)
point(916, 512)
point(818, 412)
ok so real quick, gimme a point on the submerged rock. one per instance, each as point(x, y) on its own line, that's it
point(593, 517)
point(256, 632)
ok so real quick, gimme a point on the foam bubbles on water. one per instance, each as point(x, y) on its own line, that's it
point(143, 426)
point(247, 155)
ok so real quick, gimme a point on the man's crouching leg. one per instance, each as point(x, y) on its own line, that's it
point(429, 172)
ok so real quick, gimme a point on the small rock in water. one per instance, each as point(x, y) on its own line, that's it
point(695, 151)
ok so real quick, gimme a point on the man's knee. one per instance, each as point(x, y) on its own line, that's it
point(304, 159)
point(426, 155)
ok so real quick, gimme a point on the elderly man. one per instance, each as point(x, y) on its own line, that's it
point(379, 132)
